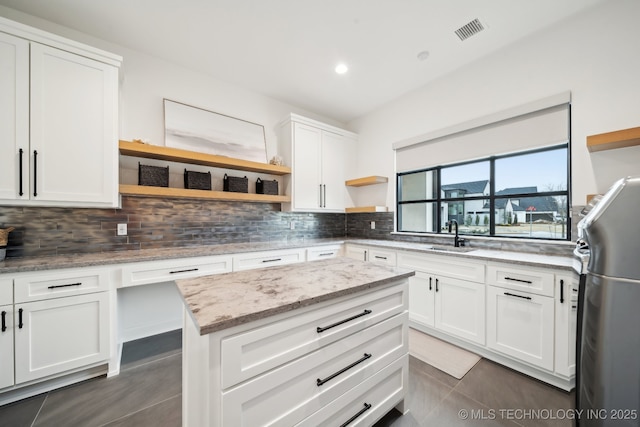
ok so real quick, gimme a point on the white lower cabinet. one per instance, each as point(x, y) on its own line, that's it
point(521, 325)
point(264, 259)
point(62, 334)
point(566, 310)
point(357, 252)
point(443, 301)
point(372, 254)
point(6, 346)
point(323, 252)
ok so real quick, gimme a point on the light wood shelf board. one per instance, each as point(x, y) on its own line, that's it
point(368, 180)
point(363, 209)
point(612, 140)
point(141, 190)
point(147, 151)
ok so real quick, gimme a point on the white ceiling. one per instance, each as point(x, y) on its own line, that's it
point(287, 49)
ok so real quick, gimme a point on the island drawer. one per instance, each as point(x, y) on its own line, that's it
point(144, 273)
point(366, 403)
point(527, 279)
point(258, 350)
point(62, 283)
point(267, 259)
point(323, 252)
point(6, 291)
point(287, 395)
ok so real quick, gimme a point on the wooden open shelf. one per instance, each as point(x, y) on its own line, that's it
point(368, 180)
point(136, 149)
point(363, 209)
point(611, 140)
point(141, 190)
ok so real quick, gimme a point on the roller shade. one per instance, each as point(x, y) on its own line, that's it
point(543, 127)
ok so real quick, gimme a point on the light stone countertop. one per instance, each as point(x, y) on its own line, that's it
point(224, 300)
point(30, 264)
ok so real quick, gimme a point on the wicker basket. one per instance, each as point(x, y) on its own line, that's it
point(197, 180)
point(267, 187)
point(154, 176)
point(4, 235)
point(235, 184)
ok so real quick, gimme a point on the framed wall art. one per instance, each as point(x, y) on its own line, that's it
point(196, 129)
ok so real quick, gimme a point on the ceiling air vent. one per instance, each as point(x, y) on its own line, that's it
point(470, 29)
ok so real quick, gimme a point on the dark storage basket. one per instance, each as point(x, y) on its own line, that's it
point(235, 184)
point(154, 176)
point(267, 187)
point(197, 180)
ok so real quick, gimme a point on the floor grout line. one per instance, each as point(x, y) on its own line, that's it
point(177, 353)
point(140, 410)
point(40, 409)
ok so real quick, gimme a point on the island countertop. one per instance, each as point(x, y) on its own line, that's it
point(221, 301)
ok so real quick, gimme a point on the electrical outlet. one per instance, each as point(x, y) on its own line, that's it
point(292, 225)
point(373, 225)
point(122, 229)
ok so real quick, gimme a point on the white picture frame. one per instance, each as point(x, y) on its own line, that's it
point(196, 129)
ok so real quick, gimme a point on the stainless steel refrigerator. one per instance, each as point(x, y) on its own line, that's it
point(608, 347)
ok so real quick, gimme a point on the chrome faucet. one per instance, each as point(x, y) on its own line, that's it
point(457, 241)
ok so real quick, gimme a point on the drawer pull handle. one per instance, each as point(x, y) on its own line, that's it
point(380, 257)
point(519, 280)
point(367, 406)
point(326, 254)
point(319, 382)
point(518, 296)
point(64, 286)
point(20, 324)
point(183, 271)
point(272, 260)
point(561, 291)
point(324, 328)
point(4, 321)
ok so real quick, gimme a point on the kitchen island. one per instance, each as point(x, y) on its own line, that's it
point(305, 344)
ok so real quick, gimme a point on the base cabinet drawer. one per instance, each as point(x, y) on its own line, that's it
point(366, 403)
point(267, 259)
point(521, 325)
point(253, 352)
point(61, 283)
point(61, 334)
point(521, 279)
point(285, 396)
point(381, 256)
point(323, 252)
point(162, 271)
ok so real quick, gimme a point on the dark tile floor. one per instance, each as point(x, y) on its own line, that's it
point(148, 393)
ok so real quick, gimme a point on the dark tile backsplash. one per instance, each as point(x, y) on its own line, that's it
point(158, 222)
point(165, 222)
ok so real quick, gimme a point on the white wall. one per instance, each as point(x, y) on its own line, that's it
point(594, 55)
point(146, 80)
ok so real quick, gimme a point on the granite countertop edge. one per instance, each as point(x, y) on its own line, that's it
point(43, 263)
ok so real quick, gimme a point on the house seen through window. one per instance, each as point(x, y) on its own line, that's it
point(523, 195)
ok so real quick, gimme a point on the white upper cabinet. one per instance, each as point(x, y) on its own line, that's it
point(319, 156)
point(14, 110)
point(61, 101)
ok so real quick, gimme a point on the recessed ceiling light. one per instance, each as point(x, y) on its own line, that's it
point(341, 68)
point(423, 55)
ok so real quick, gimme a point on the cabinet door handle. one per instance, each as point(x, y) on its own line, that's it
point(365, 256)
point(21, 153)
point(20, 324)
point(272, 260)
point(320, 193)
point(319, 381)
point(4, 321)
point(518, 280)
point(561, 291)
point(324, 328)
point(436, 284)
point(430, 279)
point(35, 173)
point(324, 196)
point(183, 271)
point(64, 286)
point(518, 296)
point(367, 406)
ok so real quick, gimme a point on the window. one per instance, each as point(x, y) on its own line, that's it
point(521, 195)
